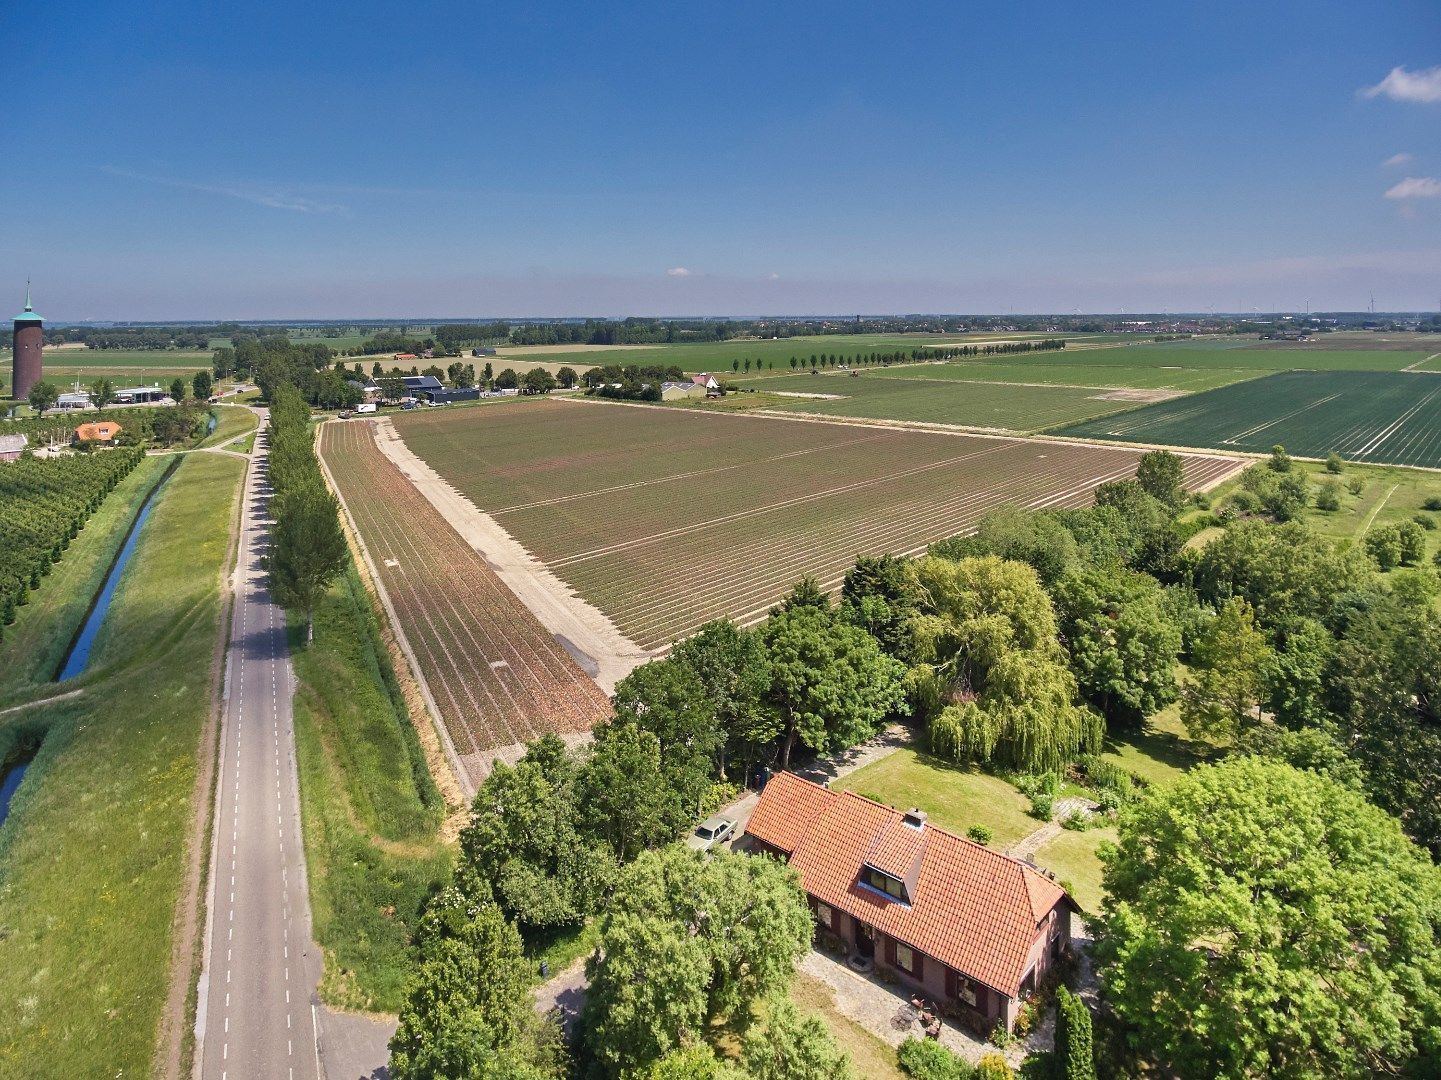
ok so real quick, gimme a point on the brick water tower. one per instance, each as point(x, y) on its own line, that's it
point(29, 339)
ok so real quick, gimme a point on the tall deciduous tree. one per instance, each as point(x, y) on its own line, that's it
point(734, 671)
point(43, 395)
point(524, 844)
point(468, 1013)
point(1122, 640)
point(102, 393)
point(309, 551)
point(1264, 921)
point(831, 686)
point(1160, 474)
point(1229, 669)
point(791, 1047)
point(879, 595)
point(667, 698)
point(993, 677)
point(201, 384)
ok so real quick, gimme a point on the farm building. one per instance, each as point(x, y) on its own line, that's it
point(137, 395)
point(676, 391)
point(102, 431)
point(967, 926)
point(12, 446)
point(445, 395)
point(419, 384)
point(73, 401)
point(708, 381)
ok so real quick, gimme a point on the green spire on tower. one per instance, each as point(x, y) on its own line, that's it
point(28, 306)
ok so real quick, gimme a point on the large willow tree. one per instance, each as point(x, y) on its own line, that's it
point(993, 678)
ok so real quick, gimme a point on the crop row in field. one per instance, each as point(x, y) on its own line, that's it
point(665, 519)
point(1389, 418)
point(496, 675)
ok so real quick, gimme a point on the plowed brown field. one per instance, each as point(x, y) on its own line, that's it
point(666, 518)
point(497, 676)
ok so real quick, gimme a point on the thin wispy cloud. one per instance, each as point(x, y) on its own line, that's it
point(266, 195)
point(1422, 87)
point(1415, 187)
point(1395, 161)
point(678, 271)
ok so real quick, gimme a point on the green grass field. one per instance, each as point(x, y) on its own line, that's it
point(877, 396)
point(123, 367)
point(1074, 369)
point(93, 853)
point(231, 420)
point(371, 811)
point(1380, 417)
point(955, 796)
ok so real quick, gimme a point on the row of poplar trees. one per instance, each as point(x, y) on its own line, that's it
point(309, 547)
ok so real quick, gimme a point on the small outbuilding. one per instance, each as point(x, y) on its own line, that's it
point(73, 401)
point(12, 446)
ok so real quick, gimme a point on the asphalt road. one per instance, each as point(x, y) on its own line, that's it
point(255, 1012)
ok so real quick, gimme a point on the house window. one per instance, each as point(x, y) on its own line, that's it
point(884, 883)
point(905, 958)
point(823, 913)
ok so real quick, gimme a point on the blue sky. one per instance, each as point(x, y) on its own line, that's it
point(253, 160)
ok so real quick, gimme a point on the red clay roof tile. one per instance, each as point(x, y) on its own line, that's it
point(974, 909)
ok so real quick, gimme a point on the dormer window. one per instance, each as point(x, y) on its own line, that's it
point(892, 887)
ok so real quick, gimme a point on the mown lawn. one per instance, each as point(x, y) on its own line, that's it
point(93, 853)
point(371, 811)
point(870, 1057)
point(1073, 858)
point(955, 796)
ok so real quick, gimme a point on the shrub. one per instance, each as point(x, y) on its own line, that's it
point(1075, 1053)
point(1042, 805)
point(1333, 463)
point(1432, 503)
point(1076, 821)
point(993, 1067)
point(925, 1059)
point(1426, 521)
point(1355, 485)
point(1328, 496)
point(1244, 502)
point(1279, 461)
point(980, 834)
point(1413, 542)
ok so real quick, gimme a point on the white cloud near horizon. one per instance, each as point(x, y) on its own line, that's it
point(257, 194)
point(1421, 87)
point(678, 271)
point(1397, 160)
point(1415, 187)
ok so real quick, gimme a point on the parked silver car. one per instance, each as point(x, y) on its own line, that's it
point(712, 832)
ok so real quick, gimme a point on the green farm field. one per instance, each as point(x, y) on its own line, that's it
point(992, 406)
point(1389, 418)
point(665, 518)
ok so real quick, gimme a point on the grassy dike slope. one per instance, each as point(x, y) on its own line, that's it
point(371, 812)
point(93, 854)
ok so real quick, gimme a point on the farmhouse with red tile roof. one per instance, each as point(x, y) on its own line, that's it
point(965, 924)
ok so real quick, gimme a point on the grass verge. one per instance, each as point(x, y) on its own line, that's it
point(870, 1057)
point(231, 420)
point(94, 851)
point(371, 812)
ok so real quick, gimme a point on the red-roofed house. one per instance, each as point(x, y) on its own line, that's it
point(965, 924)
